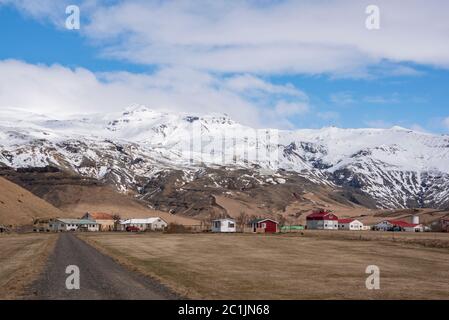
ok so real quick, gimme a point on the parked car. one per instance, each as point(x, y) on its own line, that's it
point(132, 229)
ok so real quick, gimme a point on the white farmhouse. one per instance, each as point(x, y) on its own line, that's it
point(350, 224)
point(153, 224)
point(60, 225)
point(223, 225)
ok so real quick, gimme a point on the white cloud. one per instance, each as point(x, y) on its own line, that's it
point(216, 56)
point(394, 98)
point(446, 123)
point(60, 90)
point(328, 115)
point(49, 9)
point(284, 108)
point(342, 98)
point(254, 85)
point(347, 98)
point(418, 128)
point(265, 36)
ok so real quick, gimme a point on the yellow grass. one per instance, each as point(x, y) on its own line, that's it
point(19, 206)
point(22, 258)
point(312, 266)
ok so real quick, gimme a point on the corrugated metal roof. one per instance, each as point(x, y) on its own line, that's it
point(345, 220)
point(141, 221)
point(77, 221)
point(322, 216)
point(402, 224)
point(227, 219)
point(262, 220)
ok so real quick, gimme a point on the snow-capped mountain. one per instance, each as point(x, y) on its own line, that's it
point(396, 167)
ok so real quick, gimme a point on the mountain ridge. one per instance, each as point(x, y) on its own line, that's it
point(396, 167)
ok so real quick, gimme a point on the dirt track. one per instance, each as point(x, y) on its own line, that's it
point(100, 276)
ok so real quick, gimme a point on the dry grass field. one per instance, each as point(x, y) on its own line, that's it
point(22, 258)
point(312, 265)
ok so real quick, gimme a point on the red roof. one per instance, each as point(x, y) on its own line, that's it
point(262, 220)
point(322, 216)
point(402, 224)
point(345, 220)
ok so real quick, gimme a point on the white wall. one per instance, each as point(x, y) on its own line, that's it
point(157, 225)
point(322, 224)
point(383, 226)
point(225, 225)
point(354, 226)
point(62, 226)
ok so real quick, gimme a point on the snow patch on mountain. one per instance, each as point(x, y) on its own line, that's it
point(397, 167)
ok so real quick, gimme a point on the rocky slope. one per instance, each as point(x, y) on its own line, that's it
point(180, 162)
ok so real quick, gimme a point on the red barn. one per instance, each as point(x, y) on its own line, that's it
point(264, 225)
point(322, 220)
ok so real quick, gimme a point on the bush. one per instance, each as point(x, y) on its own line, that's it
point(177, 228)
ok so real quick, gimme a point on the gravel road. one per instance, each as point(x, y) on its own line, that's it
point(100, 276)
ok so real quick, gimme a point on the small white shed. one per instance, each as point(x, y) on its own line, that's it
point(223, 225)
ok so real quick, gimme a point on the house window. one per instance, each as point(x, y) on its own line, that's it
point(230, 225)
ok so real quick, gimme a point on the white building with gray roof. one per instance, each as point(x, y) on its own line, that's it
point(61, 225)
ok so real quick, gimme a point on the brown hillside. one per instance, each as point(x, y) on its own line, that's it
point(19, 206)
point(82, 199)
point(73, 193)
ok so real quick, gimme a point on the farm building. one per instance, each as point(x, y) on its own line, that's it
point(105, 220)
point(73, 225)
point(322, 220)
point(397, 225)
point(441, 225)
point(152, 224)
point(41, 225)
point(223, 225)
point(350, 224)
point(264, 226)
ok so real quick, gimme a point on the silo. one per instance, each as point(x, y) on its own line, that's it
point(415, 219)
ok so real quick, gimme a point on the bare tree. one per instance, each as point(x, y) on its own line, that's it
point(242, 220)
point(282, 220)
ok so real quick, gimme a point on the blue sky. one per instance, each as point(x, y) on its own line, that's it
point(281, 79)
